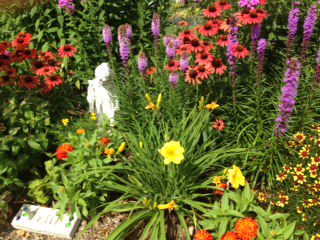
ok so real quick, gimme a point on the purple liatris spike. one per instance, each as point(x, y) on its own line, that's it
point(317, 76)
point(107, 35)
point(171, 51)
point(184, 61)
point(233, 39)
point(293, 27)
point(174, 78)
point(128, 30)
point(124, 43)
point(167, 39)
point(256, 31)
point(155, 26)
point(176, 42)
point(262, 45)
point(142, 63)
point(308, 27)
point(289, 92)
point(67, 5)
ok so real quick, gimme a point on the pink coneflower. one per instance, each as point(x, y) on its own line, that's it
point(219, 125)
point(172, 66)
point(54, 63)
point(252, 18)
point(195, 46)
point(183, 48)
point(207, 46)
point(30, 54)
point(204, 71)
point(208, 30)
point(46, 56)
point(192, 76)
point(204, 58)
point(46, 71)
point(217, 66)
point(67, 51)
point(187, 33)
point(54, 81)
point(212, 12)
point(239, 51)
point(26, 36)
point(29, 81)
point(20, 42)
point(223, 41)
point(216, 23)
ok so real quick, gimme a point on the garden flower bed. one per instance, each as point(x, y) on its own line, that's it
point(216, 129)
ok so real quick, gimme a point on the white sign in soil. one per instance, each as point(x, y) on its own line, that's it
point(43, 220)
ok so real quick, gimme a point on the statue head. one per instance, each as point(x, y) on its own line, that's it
point(102, 71)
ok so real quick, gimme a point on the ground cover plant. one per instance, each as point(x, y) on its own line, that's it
point(207, 108)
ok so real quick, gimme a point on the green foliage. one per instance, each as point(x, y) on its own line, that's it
point(5, 209)
point(242, 204)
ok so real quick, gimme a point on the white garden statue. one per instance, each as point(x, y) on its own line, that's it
point(101, 94)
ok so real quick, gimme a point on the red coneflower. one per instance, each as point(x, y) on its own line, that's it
point(239, 51)
point(54, 81)
point(217, 66)
point(20, 42)
point(6, 58)
point(187, 33)
point(212, 12)
point(151, 71)
point(3, 65)
point(195, 46)
point(172, 66)
point(208, 30)
point(204, 71)
point(46, 56)
point(4, 46)
point(67, 51)
point(29, 81)
point(223, 41)
point(37, 65)
point(192, 76)
point(263, 13)
point(183, 48)
point(216, 23)
point(184, 24)
point(219, 125)
point(46, 71)
point(224, 5)
point(252, 18)
point(46, 89)
point(30, 54)
point(54, 63)
point(25, 35)
point(12, 72)
point(62, 151)
point(204, 58)
point(18, 55)
point(5, 80)
point(207, 46)
point(242, 14)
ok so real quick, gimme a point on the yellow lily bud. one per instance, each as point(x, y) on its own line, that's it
point(141, 145)
point(202, 100)
point(159, 100)
point(122, 147)
point(148, 97)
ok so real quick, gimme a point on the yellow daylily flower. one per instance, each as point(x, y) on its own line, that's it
point(172, 152)
point(170, 206)
point(236, 177)
point(65, 121)
point(212, 106)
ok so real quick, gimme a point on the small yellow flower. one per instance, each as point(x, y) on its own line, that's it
point(80, 131)
point(172, 152)
point(122, 147)
point(151, 106)
point(236, 177)
point(212, 106)
point(159, 100)
point(315, 237)
point(300, 178)
point(304, 153)
point(299, 209)
point(281, 177)
point(109, 152)
point(65, 121)
point(283, 200)
point(93, 116)
point(148, 97)
point(170, 206)
point(300, 137)
point(262, 197)
point(304, 217)
point(217, 180)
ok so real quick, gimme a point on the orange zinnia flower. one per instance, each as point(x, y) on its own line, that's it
point(62, 151)
point(203, 235)
point(247, 228)
point(105, 141)
point(219, 192)
point(80, 131)
point(230, 236)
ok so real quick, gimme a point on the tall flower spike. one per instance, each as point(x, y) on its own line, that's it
point(170, 50)
point(262, 45)
point(142, 63)
point(317, 76)
point(184, 62)
point(124, 44)
point(107, 35)
point(155, 25)
point(249, 3)
point(67, 5)
point(174, 78)
point(289, 92)
point(308, 27)
point(293, 27)
point(256, 31)
point(128, 30)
